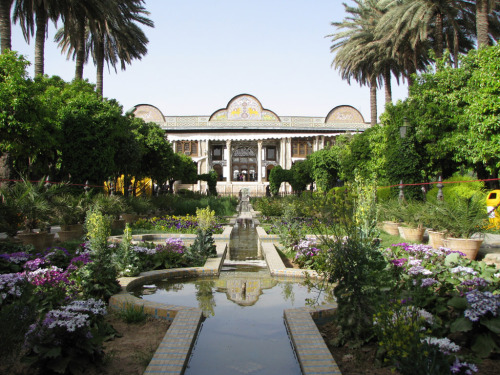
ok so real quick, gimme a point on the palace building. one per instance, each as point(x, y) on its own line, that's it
point(243, 141)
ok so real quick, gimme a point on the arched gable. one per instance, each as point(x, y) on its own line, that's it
point(148, 113)
point(244, 107)
point(344, 114)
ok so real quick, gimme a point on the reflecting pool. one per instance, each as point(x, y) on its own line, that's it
point(243, 331)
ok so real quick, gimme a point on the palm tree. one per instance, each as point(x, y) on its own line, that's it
point(359, 55)
point(78, 15)
point(33, 13)
point(5, 25)
point(427, 21)
point(120, 39)
point(114, 38)
point(485, 9)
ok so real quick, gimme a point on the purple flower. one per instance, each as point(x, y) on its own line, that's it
point(399, 262)
point(428, 282)
point(17, 258)
point(419, 270)
point(481, 303)
point(458, 366)
point(32, 265)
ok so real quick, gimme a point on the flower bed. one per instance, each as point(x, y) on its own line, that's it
point(187, 224)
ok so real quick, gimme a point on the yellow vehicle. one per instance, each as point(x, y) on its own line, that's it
point(493, 206)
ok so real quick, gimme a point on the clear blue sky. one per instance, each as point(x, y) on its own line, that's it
point(203, 53)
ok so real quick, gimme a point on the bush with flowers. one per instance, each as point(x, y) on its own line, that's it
point(40, 315)
point(67, 338)
point(460, 296)
point(187, 224)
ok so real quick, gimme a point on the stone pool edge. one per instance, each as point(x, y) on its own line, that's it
point(172, 355)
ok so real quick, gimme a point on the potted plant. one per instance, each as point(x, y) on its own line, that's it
point(135, 207)
point(69, 211)
point(390, 213)
point(413, 214)
point(33, 204)
point(111, 205)
point(461, 218)
point(435, 229)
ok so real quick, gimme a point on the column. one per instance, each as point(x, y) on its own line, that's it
point(229, 166)
point(282, 152)
point(259, 161)
point(316, 143)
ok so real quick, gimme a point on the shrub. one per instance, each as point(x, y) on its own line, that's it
point(68, 338)
point(99, 279)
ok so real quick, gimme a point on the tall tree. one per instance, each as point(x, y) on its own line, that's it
point(34, 15)
point(5, 25)
point(76, 17)
point(485, 9)
point(115, 38)
point(358, 55)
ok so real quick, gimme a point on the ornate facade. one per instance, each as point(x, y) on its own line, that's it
point(243, 141)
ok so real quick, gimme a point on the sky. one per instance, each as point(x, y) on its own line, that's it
point(203, 53)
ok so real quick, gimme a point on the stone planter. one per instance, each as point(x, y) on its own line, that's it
point(77, 227)
point(40, 241)
point(436, 239)
point(468, 246)
point(391, 227)
point(412, 234)
point(68, 235)
point(118, 224)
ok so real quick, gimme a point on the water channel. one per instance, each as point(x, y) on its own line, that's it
point(243, 331)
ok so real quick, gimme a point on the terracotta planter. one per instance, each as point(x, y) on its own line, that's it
point(40, 241)
point(468, 246)
point(391, 227)
point(68, 235)
point(436, 239)
point(412, 234)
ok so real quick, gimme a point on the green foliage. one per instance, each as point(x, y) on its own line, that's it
point(211, 179)
point(157, 155)
point(276, 177)
point(132, 314)
point(181, 204)
point(457, 187)
point(401, 330)
point(31, 201)
point(68, 347)
point(300, 174)
point(480, 125)
point(351, 259)
point(403, 160)
point(125, 258)
point(99, 276)
point(325, 168)
point(460, 217)
point(110, 205)
point(269, 206)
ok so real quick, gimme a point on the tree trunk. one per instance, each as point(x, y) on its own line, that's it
point(439, 35)
point(387, 86)
point(482, 23)
point(373, 101)
point(455, 47)
point(41, 27)
point(5, 30)
point(100, 67)
point(80, 48)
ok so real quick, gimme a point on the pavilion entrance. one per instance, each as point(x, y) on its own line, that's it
point(244, 164)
